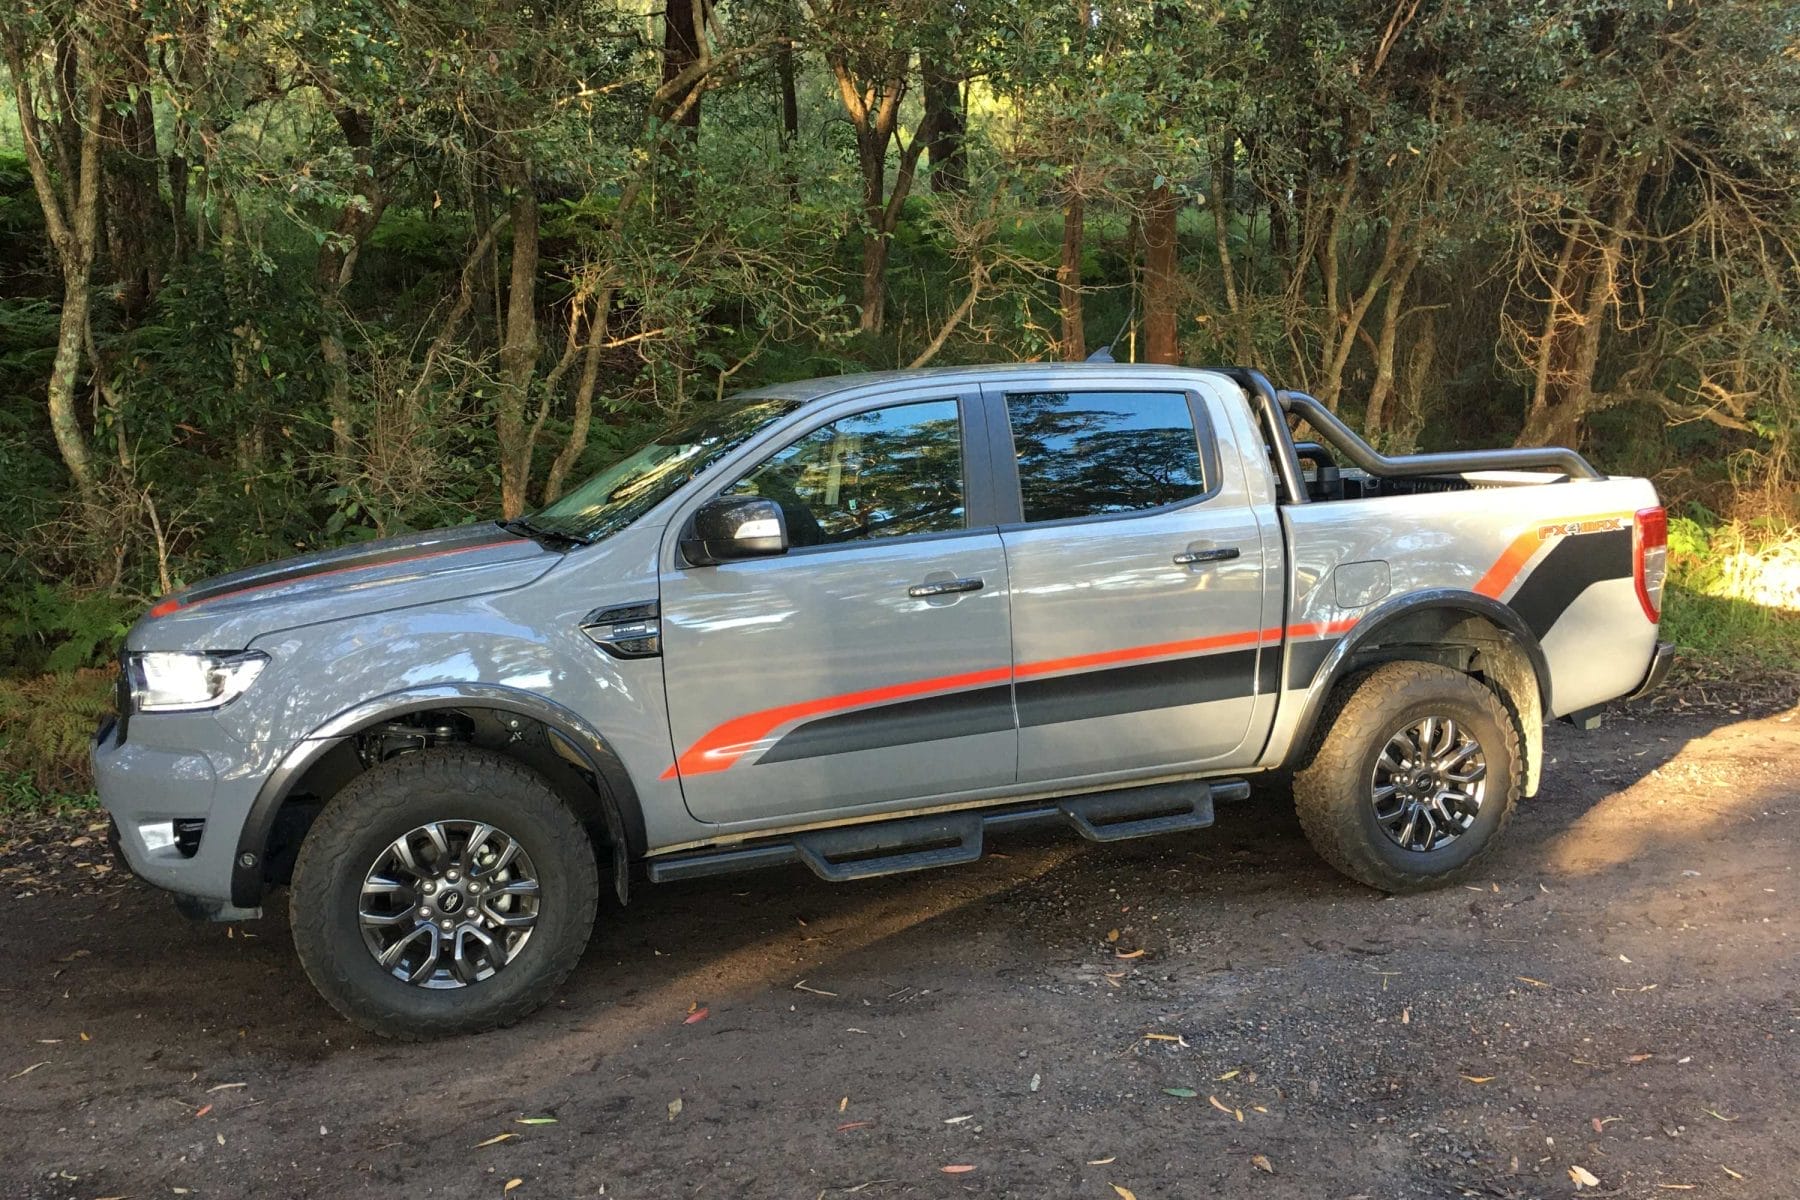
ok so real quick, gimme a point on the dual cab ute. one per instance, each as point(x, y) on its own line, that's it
point(861, 624)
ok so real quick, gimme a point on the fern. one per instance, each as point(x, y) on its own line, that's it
point(46, 723)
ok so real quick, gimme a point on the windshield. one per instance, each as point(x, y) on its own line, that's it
point(654, 471)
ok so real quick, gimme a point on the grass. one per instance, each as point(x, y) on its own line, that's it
point(1734, 591)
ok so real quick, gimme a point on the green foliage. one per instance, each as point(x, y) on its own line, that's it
point(1734, 589)
point(46, 724)
point(44, 627)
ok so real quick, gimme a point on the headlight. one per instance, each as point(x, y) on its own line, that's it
point(165, 682)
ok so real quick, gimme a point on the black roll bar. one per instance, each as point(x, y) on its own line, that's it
point(1374, 462)
point(1281, 443)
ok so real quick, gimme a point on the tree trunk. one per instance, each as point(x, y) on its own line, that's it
point(681, 50)
point(518, 351)
point(946, 117)
point(583, 417)
point(135, 217)
point(1393, 307)
point(1221, 218)
point(790, 120)
point(874, 281)
point(1161, 344)
point(334, 270)
point(1068, 279)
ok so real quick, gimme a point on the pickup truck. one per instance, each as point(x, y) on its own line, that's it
point(861, 624)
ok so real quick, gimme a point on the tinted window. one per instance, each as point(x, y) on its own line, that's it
point(886, 473)
point(1085, 454)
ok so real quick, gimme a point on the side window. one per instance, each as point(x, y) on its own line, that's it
point(1086, 454)
point(884, 473)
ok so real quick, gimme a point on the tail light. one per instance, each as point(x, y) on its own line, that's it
point(1650, 559)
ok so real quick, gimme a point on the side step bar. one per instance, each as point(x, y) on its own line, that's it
point(948, 839)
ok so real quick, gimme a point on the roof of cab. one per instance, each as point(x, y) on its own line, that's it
point(808, 390)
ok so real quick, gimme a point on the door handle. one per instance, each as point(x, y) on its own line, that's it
point(1192, 558)
point(943, 587)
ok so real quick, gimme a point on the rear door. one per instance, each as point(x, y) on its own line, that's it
point(871, 664)
point(1138, 582)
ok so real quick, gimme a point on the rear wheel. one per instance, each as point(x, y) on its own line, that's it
point(1414, 779)
point(447, 891)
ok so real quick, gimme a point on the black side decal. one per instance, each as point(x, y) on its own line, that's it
point(1574, 565)
point(1136, 688)
point(1268, 671)
point(1305, 658)
point(957, 714)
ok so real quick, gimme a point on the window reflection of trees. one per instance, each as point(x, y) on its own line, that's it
point(1087, 455)
point(887, 473)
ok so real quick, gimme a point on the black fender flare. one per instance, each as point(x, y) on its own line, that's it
point(617, 795)
point(1368, 629)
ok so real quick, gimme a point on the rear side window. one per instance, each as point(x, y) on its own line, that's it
point(1088, 454)
point(890, 472)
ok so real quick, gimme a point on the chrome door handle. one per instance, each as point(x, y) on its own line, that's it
point(943, 587)
point(1189, 558)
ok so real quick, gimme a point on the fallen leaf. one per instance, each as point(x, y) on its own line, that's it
point(1678, 1187)
point(1636, 1058)
point(698, 1014)
point(1583, 1177)
point(849, 1125)
point(1481, 1078)
point(1181, 1093)
point(958, 1168)
point(1129, 954)
point(843, 1104)
point(1406, 1016)
point(498, 1137)
point(1531, 981)
point(1162, 1037)
point(959, 1120)
point(1214, 1101)
point(1721, 1116)
point(1101, 1162)
point(1623, 959)
point(674, 1108)
point(1261, 1162)
point(1112, 935)
point(202, 1111)
point(1729, 1171)
point(28, 1070)
point(1125, 1193)
point(510, 1185)
point(222, 1087)
point(535, 1121)
point(1232, 1074)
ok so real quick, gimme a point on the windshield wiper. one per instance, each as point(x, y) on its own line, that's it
point(550, 539)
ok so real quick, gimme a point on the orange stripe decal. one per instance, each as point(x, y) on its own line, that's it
point(723, 746)
point(1501, 575)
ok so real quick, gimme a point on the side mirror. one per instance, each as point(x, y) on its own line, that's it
point(730, 527)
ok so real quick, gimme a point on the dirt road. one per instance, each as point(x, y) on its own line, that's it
point(1210, 1015)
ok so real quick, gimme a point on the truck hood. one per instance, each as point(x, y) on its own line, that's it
point(229, 611)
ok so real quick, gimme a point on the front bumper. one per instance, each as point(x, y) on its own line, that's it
point(176, 813)
point(1660, 662)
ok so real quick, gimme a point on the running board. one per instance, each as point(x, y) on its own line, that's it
point(948, 839)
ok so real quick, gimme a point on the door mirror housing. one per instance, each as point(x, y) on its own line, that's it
point(733, 527)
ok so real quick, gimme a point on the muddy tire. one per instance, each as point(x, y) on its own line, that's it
point(444, 892)
point(1414, 779)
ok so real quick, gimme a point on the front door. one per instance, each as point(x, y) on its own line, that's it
point(871, 664)
point(1138, 584)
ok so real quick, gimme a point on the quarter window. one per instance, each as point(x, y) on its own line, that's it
point(888, 472)
point(1088, 454)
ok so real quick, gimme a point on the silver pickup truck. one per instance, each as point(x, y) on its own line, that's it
point(863, 623)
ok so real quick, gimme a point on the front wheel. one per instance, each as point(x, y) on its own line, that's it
point(1412, 783)
point(447, 891)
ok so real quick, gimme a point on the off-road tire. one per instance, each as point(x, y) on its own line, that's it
point(447, 784)
point(1332, 789)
